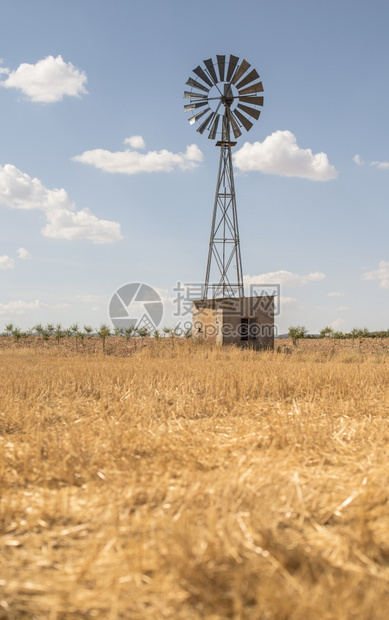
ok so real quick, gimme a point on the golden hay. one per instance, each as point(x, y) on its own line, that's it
point(192, 483)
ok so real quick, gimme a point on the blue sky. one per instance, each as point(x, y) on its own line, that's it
point(104, 182)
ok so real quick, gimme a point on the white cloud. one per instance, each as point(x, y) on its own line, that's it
point(136, 142)
point(49, 80)
point(285, 278)
point(337, 324)
point(288, 301)
point(24, 254)
point(131, 161)
point(19, 191)
point(382, 165)
point(20, 307)
point(357, 159)
point(342, 308)
point(280, 154)
point(90, 298)
point(70, 225)
point(6, 262)
point(166, 295)
point(381, 274)
point(335, 294)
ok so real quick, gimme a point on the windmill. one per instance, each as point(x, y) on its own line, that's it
point(224, 96)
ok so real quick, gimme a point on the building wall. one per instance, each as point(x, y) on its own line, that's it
point(220, 321)
point(204, 323)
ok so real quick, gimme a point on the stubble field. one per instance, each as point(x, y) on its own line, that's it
point(190, 482)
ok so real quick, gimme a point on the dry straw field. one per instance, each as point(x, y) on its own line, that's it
point(189, 482)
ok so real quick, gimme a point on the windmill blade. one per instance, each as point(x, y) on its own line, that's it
point(250, 111)
point(245, 121)
point(255, 88)
point(242, 69)
point(221, 62)
point(253, 100)
point(227, 90)
point(192, 82)
point(214, 127)
point(215, 124)
point(231, 67)
point(202, 75)
point(192, 95)
point(228, 94)
point(209, 64)
point(253, 75)
point(194, 106)
point(196, 117)
point(204, 125)
point(234, 125)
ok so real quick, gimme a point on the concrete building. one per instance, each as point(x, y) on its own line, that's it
point(244, 321)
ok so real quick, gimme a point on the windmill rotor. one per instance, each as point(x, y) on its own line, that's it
point(230, 89)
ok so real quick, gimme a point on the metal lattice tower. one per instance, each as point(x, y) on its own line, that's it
point(224, 244)
point(225, 91)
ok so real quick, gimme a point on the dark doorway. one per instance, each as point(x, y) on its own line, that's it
point(248, 329)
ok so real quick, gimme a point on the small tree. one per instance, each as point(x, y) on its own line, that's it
point(103, 333)
point(50, 329)
point(8, 329)
point(157, 336)
point(88, 331)
point(45, 334)
point(296, 333)
point(188, 332)
point(354, 333)
point(16, 334)
point(327, 332)
point(143, 332)
point(58, 333)
point(130, 332)
point(75, 332)
point(39, 329)
point(26, 334)
point(173, 331)
point(359, 332)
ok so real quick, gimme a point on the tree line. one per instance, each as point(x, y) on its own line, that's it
point(297, 332)
point(57, 332)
